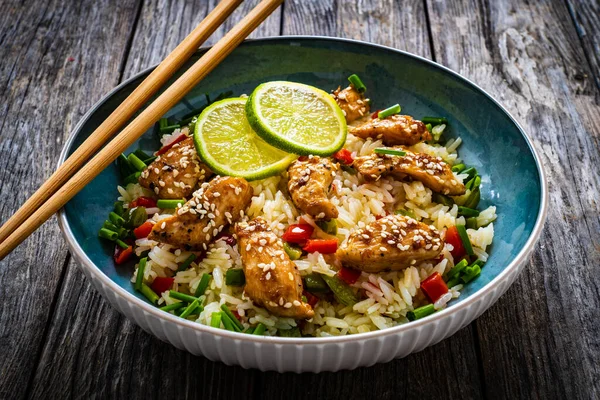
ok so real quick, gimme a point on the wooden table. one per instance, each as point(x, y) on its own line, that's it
point(541, 59)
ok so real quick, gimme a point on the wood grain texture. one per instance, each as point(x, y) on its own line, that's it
point(540, 340)
point(56, 62)
point(586, 14)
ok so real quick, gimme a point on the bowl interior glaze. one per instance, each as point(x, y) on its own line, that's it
point(492, 141)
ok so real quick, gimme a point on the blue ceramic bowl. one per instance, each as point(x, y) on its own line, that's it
point(493, 142)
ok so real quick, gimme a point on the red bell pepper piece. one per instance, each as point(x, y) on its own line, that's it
point(323, 246)
point(162, 284)
point(143, 230)
point(298, 233)
point(453, 238)
point(310, 298)
point(375, 115)
point(166, 148)
point(143, 201)
point(348, 275)
point(434, 287)
point(344, 156)
point(121, 256)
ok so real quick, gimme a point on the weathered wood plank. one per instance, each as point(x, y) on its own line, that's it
point(107, 356)
point(541, 339)
point(57, 59)
point(434, 372)
point(401, 25)
point(586, 15)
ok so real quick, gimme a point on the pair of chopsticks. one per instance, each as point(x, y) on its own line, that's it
point(74, 173)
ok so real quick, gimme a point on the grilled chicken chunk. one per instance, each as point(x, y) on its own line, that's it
point(432, 171)
point(352, 103)
point(212, 207)
point(175, 174)
point(393, 130)
point(393, 242)
point(272, 279)
point(309, 181)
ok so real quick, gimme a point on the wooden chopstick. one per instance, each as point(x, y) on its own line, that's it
point(123, 113)
point(146, 119)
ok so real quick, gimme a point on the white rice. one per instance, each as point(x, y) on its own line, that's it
point(388, 296)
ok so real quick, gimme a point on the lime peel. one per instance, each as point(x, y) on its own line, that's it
point(226, 142)
point(297, 118)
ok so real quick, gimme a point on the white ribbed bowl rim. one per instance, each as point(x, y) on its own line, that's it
point(430, 321)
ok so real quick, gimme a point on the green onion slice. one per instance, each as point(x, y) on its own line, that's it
point(462, 232)
point(420, 312)
point(395, 109)
point(357, 83)
point(391, 152)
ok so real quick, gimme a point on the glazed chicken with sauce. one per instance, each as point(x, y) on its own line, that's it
point(272, 279)
point(393, 130)
point(393, 243)
point(309, 181)
point(431, 171)
point(215, 205)
point(175, 174)
point(352, 102)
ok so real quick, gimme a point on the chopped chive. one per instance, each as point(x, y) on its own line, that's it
point(189, 309)
point(395, 109)
point(456, 270)
point(467, 212)
point(453, 282)
point(429, 127)
point(227, 323)
point(357, 83)
point(173, 307)
point(133, 178)
point(118, 208)
point(314, 283)
point(472, 223)
point(293, 252)
point(136, 162)
point(238, 325)
point(203, 285)
point(471, 273)
point(329, 227)
point(108, 234)
point(187, 262)
point(462, 232)
point(215, 320)
point(249, 330)
point(139, 279)
point(115, 218)
point(392, 152)
point(406, 213)
point(141, 154)
point(110, 226)
point(182, 296)
point(473, 183)
point(440, 198)
point(125, 167)
point(458, 168)
point(235, 277)
point(420, 312)
point(149, 293)
point(473, 199)
point(167, 204)
point(122, 244)
point(164, 127)
point(469, 171)
point(434, 120)
point(260, 329)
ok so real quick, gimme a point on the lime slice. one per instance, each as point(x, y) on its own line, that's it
point(298, 118)
point(229, 146)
